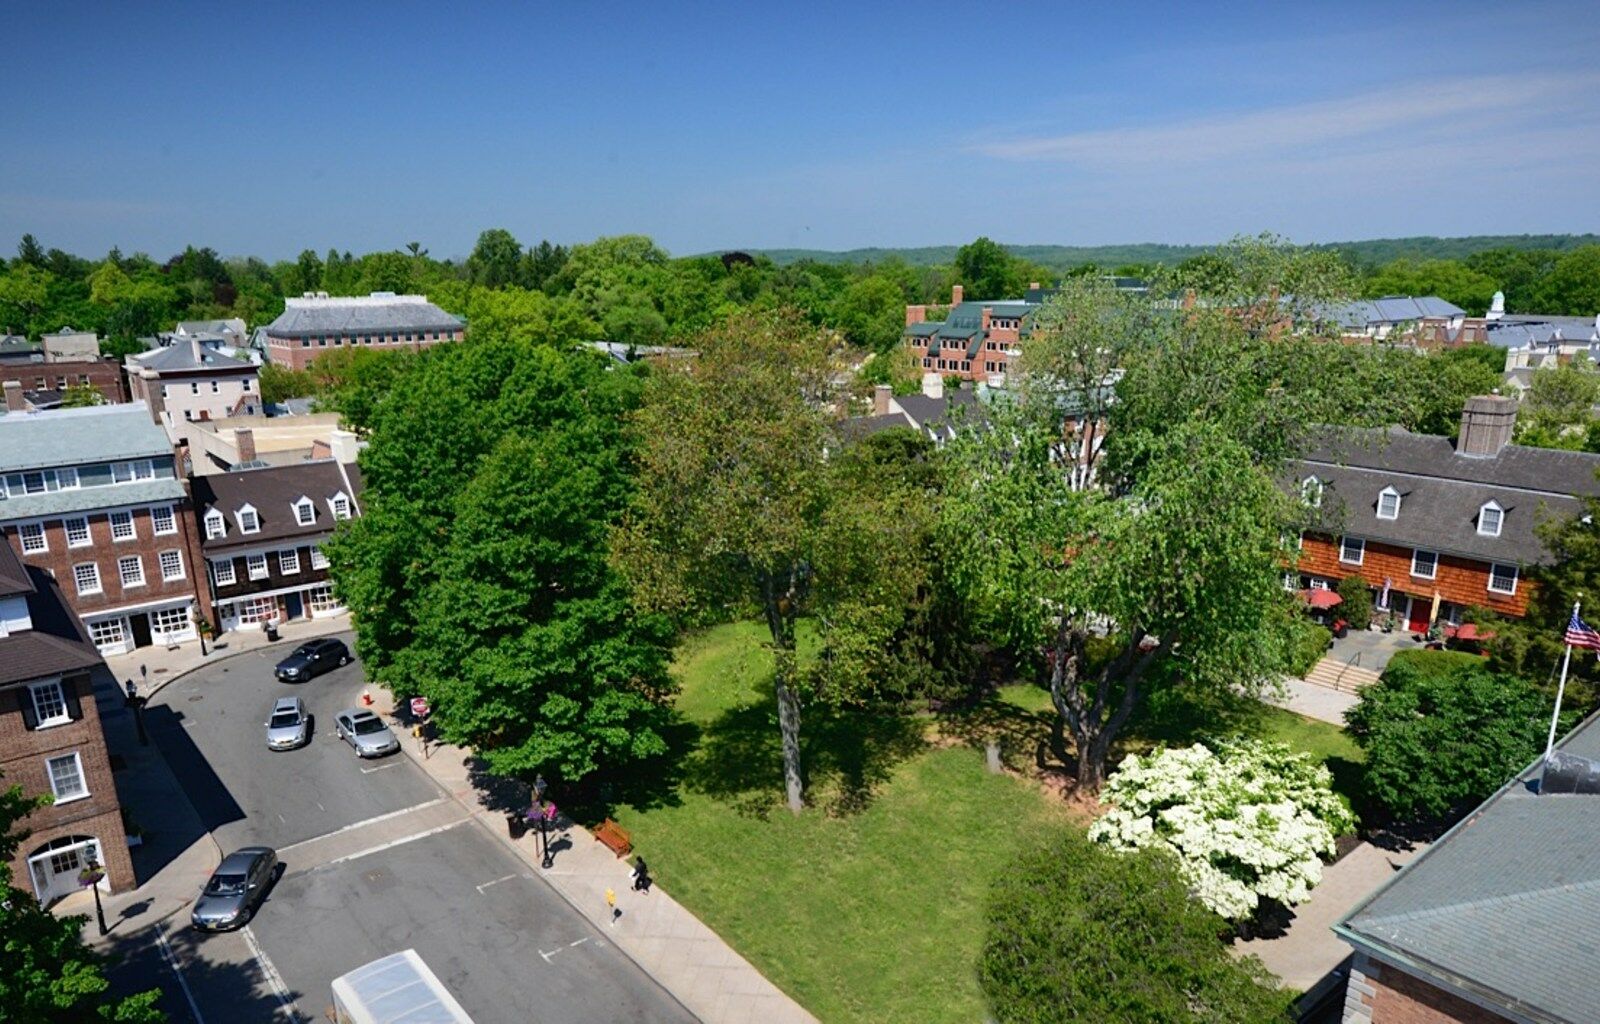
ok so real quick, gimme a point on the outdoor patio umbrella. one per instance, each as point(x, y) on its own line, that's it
point(1321, 599)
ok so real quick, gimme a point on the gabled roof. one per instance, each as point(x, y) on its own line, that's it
point(1506, 906)
point(72, 437)
point(181, 356)
point(1391, 309)
point(13, 576)
point(272, 492)
point(362, 313)
point(1520, 331)
point(1442, 492)
point(56, 643)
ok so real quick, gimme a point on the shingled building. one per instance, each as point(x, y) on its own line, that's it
point(317, 322)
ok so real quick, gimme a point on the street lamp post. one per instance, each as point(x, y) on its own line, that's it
point(539, 786)
point(90, 876)
point(136, 702)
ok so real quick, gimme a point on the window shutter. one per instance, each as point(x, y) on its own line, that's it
point(69, 693)
point(30, 717)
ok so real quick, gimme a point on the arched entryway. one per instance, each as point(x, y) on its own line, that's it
point(54, 867)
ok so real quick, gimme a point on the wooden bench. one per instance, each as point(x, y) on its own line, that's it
point(615, 837)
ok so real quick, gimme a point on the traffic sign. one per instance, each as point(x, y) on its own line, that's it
point(419, 707)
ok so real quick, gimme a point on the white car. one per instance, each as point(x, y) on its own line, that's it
point(365, 732)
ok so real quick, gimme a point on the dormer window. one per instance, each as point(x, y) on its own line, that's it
point(1311, 491)
point(340, 504)
point(305, 511)
point(216, 525)
point(1388, 503)
point(1490, 518)
point(249, 521)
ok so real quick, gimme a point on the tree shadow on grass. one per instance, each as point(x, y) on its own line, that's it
point(845, 756)
point(1024, 735)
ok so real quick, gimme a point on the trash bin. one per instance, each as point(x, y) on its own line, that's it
point(516, 825)
point(272, 631)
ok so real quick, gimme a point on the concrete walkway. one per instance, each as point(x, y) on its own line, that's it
point(1313, 701)
point(673, 946)
point(1308, 950)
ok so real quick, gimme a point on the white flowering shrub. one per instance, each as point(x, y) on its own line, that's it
point(1248, 821)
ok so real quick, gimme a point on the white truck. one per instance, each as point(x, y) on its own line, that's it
point(398, 989)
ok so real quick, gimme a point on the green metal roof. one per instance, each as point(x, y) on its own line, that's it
point(87, 499)
point(73, 437)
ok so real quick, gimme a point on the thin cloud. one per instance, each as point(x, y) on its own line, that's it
point(1461, 105)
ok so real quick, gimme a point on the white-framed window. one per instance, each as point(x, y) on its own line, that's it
point(127, 472)
point(289, 561)
point(87, 576)
point(216, 525)
point(318, 559)
point(77, 530)
point(67, 479)
point(1352, 550)
point(305, 511)
point(322, 600)
point(49, 703)
point(122, 525)
point(256, 566)
point(1503, 578)
point(34, 483)
point(258, 609)
point(1388, 503)
point(163, 520)
point(108, 632)
point(340, 505)
point(222, 571)
point(1424, 564)
point(33, 539)
point(131, 570)
point(1490, 518)
point(66, 777)
point(171, 565)
point(166, 621)
point(249, 521)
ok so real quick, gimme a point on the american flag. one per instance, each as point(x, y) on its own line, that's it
point(1581, 634)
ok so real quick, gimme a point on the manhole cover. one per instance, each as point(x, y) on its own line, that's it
point(198, 696)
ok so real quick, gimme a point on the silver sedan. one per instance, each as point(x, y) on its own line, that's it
point(365, 732)
point(288, 726)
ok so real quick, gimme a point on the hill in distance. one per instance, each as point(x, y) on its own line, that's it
point(1370, 252)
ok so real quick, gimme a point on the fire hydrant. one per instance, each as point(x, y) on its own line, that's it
point(366, 697)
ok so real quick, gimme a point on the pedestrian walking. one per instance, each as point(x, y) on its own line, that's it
point(611, 902)
point(641, 875)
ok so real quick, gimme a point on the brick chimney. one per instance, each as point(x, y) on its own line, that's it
point(916, 314)
point(244, 442)
point(880, 399)
point(1486, 425)
point(1033, 286)
point(987, 313)
point(14, 400)
point(956, 293)
point(344, 446)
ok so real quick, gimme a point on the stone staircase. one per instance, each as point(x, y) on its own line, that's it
point(1341, 676)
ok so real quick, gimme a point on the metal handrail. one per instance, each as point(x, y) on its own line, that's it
point(1347, 666)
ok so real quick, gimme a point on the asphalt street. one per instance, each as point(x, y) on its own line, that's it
point(377, 858)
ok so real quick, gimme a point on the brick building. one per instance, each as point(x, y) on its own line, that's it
point(1435, 526)
point(93, 497)
point(263, 530)
point(36, 384)
point(975, 341)
point(315, 323)
point(51, 743)
point(1500, 919)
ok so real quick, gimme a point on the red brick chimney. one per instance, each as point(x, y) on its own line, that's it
point(987, 313)
point(916, 314)
point(244, 441)
point(1033, 286)
point(956, 293)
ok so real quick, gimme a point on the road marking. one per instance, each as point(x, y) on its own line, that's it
point(553, 952)
point(274, 982)
point(497, 881)
point(381, 767)
point(361, 824)
point(172, 962)
point(578, 943)
point(391, 844)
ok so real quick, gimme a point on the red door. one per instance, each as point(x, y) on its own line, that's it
point(1417, 618)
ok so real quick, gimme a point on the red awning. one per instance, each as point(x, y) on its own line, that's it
point(1467, 631)
point(1318, 598)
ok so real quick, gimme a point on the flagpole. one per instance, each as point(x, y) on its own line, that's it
point(1561, 689)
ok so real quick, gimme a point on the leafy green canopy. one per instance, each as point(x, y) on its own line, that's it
point(1439, 741)
point(1078, 933)
point(47, 974)
point(477, 576)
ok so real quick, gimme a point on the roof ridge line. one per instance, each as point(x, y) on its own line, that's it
point(1490, 901)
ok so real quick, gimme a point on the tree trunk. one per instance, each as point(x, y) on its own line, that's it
point(779, 605)
point(789, 726)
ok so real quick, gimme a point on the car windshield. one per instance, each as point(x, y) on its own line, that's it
point(225, 885)
point(368, 726)
point(284, 719)
point(303, 652)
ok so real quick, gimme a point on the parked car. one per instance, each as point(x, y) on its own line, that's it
point(365, 732)
point(288, 726)
point(313, 658)
point(235, 889)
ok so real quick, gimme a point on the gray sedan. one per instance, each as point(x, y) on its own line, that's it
point(235, 889)
point(289, 726)
point(365, 732)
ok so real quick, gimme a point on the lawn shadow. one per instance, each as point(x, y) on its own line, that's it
point(844, 755)
point(1023, 735)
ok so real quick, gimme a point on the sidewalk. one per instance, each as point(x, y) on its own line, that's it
point(1313, 701)
point(684, 956)
point(1308, 949)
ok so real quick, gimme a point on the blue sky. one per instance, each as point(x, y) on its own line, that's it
point(268, 128)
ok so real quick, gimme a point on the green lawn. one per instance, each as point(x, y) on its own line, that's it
point(869, 906)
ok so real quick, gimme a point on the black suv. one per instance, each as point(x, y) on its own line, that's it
point(312, 658)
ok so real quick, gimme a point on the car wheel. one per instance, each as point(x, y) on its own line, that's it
point(246, 917)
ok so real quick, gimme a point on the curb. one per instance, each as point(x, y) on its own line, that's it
point(213, 658)
point(539, 872)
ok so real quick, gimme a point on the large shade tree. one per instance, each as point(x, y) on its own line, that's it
point(740, 508)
